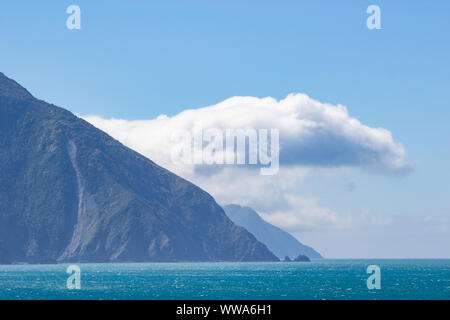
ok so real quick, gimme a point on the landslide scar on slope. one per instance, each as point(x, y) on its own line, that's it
point(86, 211)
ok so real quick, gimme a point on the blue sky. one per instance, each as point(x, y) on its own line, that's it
point(139, 59)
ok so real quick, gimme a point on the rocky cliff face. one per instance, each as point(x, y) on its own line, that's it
point(70, 192)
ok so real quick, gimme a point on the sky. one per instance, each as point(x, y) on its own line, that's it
point(133, 61)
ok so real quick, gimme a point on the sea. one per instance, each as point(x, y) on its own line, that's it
point(319, 279)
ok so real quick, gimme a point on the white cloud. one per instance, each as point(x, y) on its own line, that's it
point(313, 136)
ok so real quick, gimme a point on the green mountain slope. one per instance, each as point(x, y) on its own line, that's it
point(70, 192)
point(280, 242)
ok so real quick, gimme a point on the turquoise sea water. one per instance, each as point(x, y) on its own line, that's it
point(325, 279)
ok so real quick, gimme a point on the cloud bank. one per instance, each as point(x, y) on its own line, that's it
point(313, 136)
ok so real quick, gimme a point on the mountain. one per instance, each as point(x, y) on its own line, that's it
point(71, 193)
point(277, 240)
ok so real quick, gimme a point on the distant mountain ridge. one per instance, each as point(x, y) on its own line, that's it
point(280, 242)
point(71, 193)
